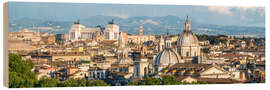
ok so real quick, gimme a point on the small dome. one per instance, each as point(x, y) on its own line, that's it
point(187, 38)
point(125, 61)
point(168, 56)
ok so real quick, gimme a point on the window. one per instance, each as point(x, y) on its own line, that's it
point(72, 35)
point(107, 35)
point(187, 53)
point(115, 35)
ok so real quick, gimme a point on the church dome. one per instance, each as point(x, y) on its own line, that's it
point(125, 61)
point(167, 56)
point(187, 38)
point(123, 57)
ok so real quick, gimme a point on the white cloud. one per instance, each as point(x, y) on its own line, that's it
point(260, 11)
point(149, 21)
point(244, 15)
point(220, 9)
point(228, 10)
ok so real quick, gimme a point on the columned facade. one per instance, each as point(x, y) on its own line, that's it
point(80, 32)
point(96, 74)
point(111, 31)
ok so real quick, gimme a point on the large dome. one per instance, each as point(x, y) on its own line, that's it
point(187, 38)
point(188, 44)
point(167, 56)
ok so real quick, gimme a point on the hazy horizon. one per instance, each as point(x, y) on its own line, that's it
point(218, 15)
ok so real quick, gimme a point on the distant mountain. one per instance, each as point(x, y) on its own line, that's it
point(151, 25)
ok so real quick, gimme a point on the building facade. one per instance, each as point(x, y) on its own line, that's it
point(81, 32)
point(111, 31)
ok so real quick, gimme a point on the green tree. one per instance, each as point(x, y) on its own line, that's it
point(150, 81)
point(169, 80)
point(20, 75)
point(81, 82)
point(47, 82)
point(96, 83)
point(132, 83)
point(213, 39)
point(75, 83)
point(70, 83)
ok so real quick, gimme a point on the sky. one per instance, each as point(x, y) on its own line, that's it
point(218, 15)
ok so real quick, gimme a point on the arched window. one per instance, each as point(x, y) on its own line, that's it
point(187, 53)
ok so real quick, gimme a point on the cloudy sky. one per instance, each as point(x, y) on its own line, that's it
point(220, 15)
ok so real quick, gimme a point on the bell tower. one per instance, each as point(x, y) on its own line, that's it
point(141, 30)
point(161, 43)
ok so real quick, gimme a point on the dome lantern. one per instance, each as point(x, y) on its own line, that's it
point(187, 25)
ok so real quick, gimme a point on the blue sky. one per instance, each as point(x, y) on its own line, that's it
point(219, 15)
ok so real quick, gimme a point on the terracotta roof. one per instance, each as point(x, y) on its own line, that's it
point(180, 78)
point(210, 80)
point(108, 41)
point(189, 65)
point(19, 45)
point(217, 80)
point(95, 68)
point(213, 67)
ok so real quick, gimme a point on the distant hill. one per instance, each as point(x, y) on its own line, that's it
point(151, 25)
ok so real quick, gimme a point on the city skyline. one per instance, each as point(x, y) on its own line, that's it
point(118, 50)
point(219, 15)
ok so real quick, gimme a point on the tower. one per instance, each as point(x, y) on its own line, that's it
point(161, 44)
point(142, 64)
point(251, 44)
point(168, 42)
point(122, 51)
point(121, 45)
point(140, 37)
point(121, 41)
point(141, 30)
point(143, 51)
